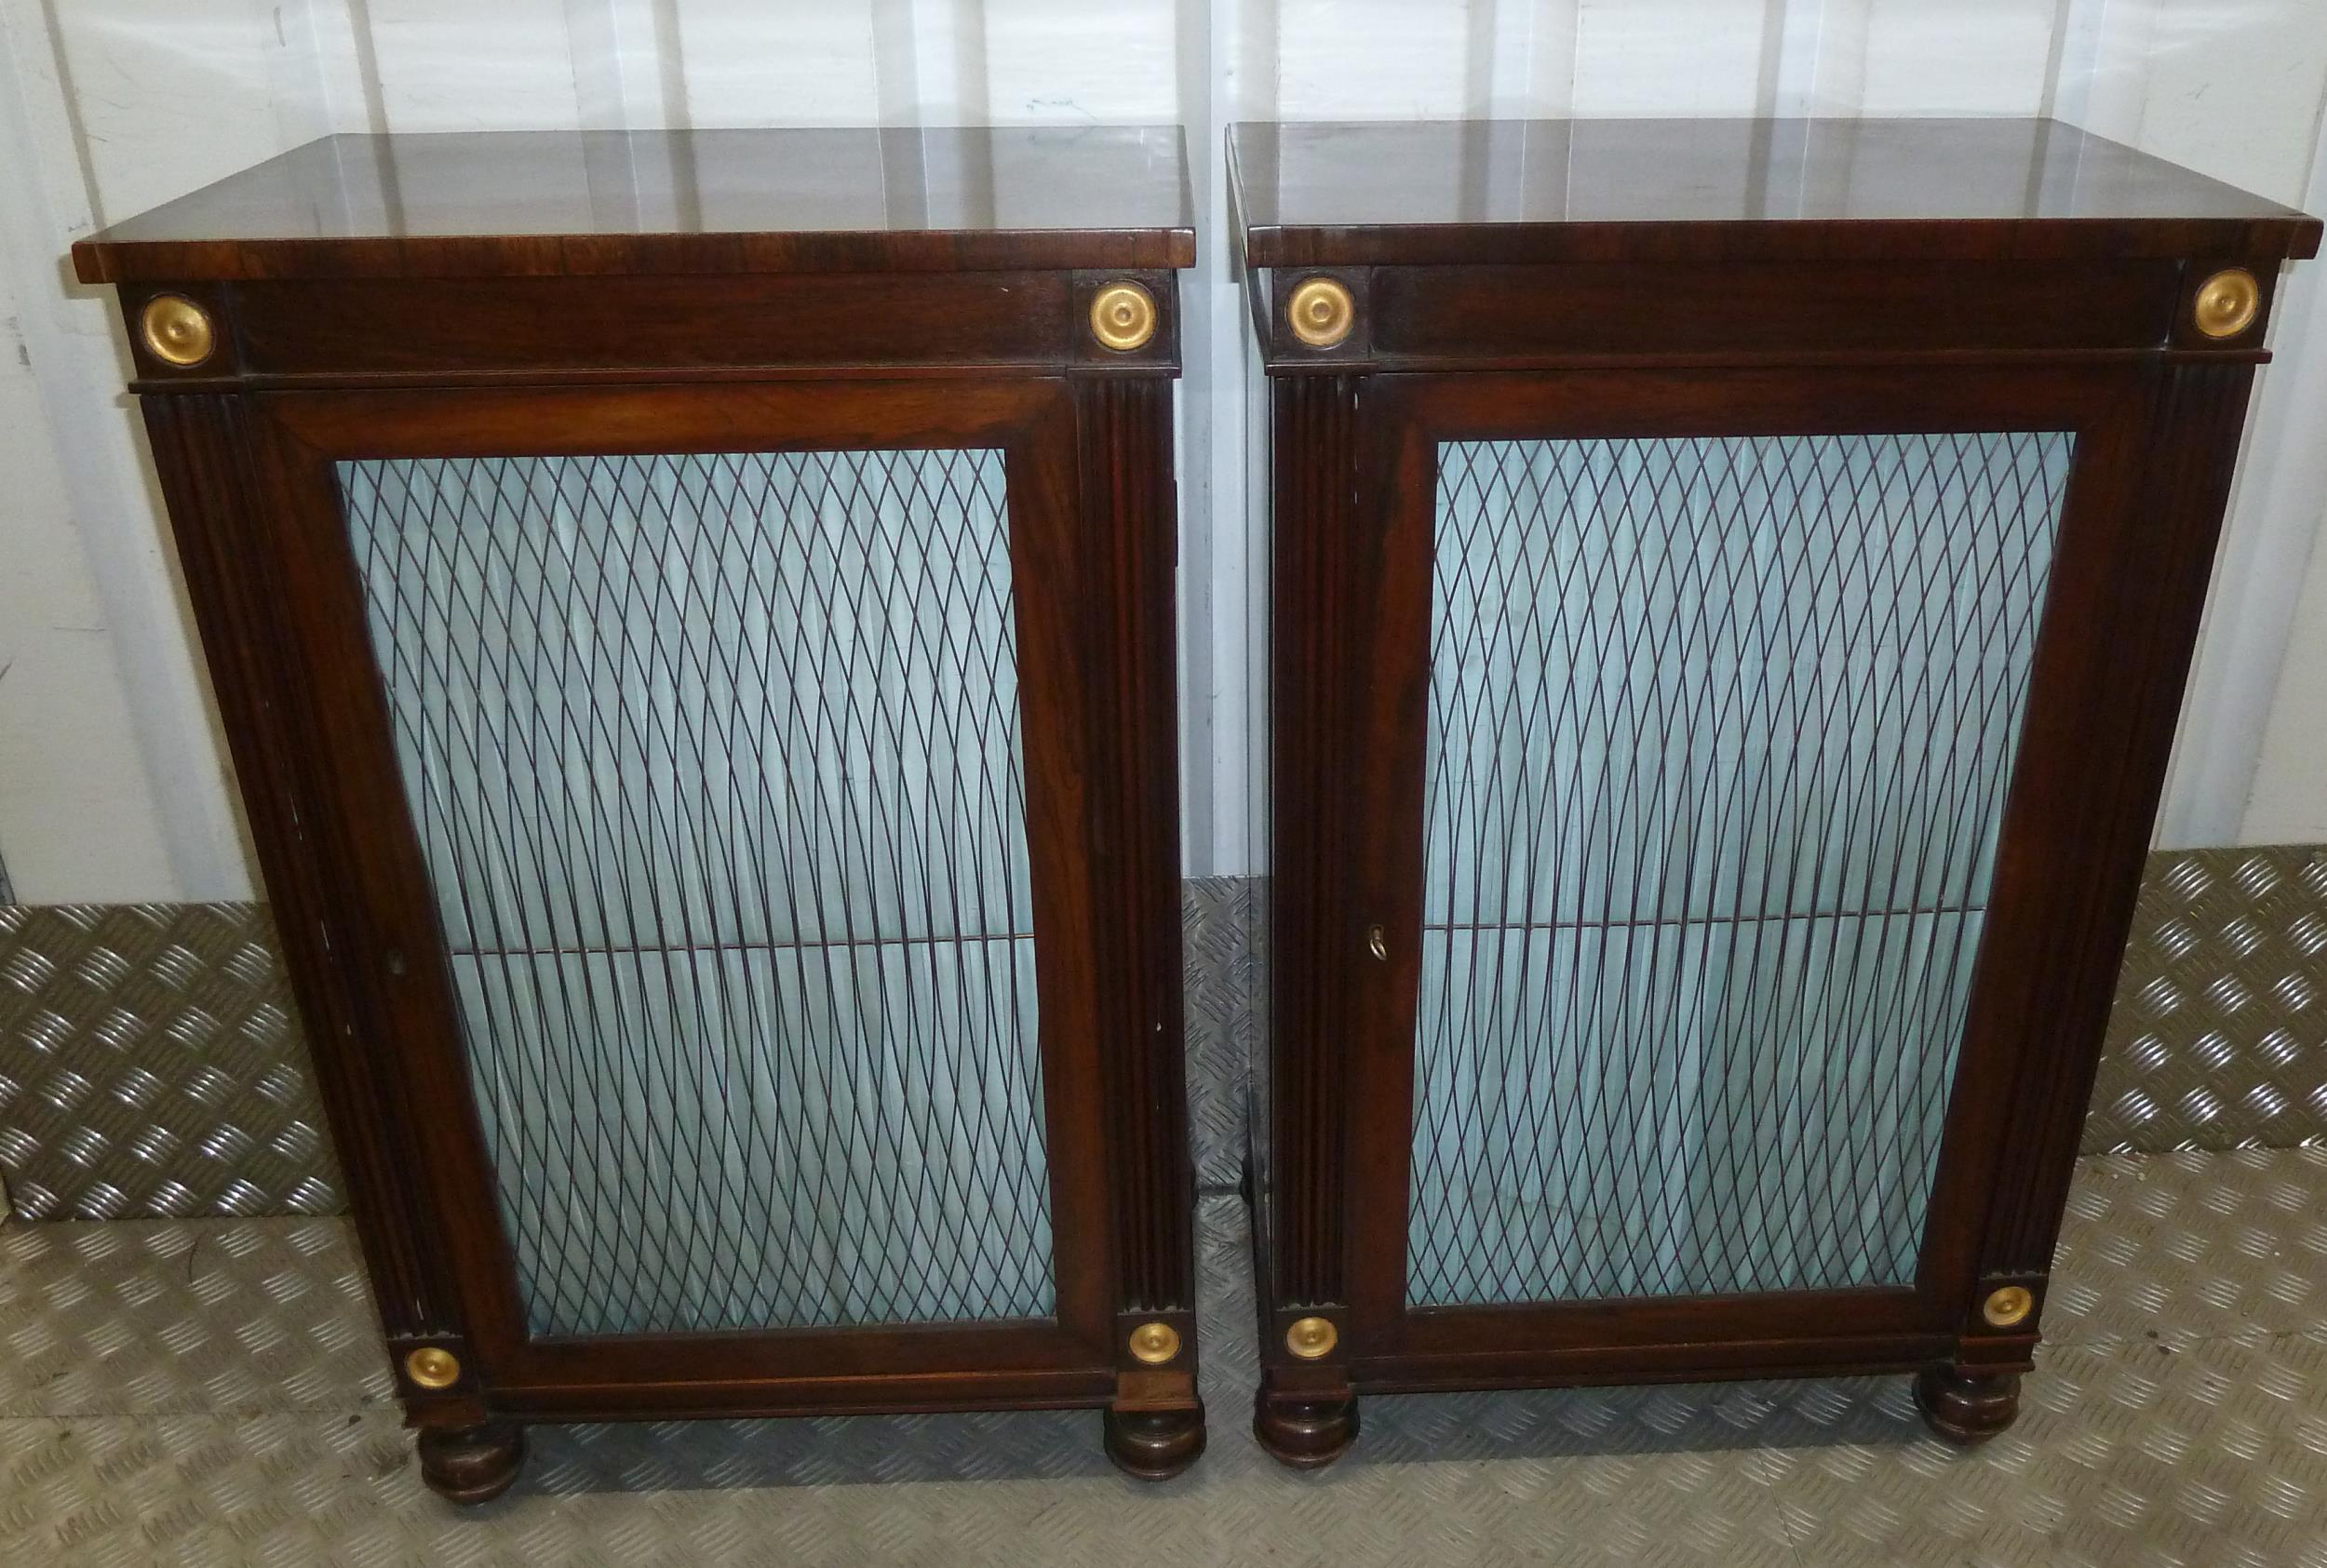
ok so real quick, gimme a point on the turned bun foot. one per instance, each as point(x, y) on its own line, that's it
point(471, 1464)
point(1964, 1408)
point(1305, 1432)
point(1155, 1444)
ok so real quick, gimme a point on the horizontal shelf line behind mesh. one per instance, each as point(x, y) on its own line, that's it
point(637, 949)
point(1909, 912)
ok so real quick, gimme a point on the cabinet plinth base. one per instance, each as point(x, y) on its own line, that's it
point(1965, 1408)
point(471, 1464)
point(1304, 1430)
point(1155, 1444)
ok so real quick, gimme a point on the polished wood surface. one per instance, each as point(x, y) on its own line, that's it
point(1535, 191)
point(591, 203)
point(310, 333)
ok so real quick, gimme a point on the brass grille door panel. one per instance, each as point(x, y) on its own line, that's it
point(1720, 732)
point(716, 765)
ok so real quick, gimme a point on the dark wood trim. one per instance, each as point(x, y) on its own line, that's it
point(1715, 243)
point(1476, 315)
point(581, 420)
point(2173, 485)
point(1512, 1365)
point(403, 1066)
point(1378, 802)
point(1314, 623)
point(1668, 315)
point(533, 332)
point(1387, 568)
point(882, 1394)
point(536, 327)
point(1042, 1348)
point(1072, 910)
point(382, 880)
point(221, 514)
point(1130, 543)
point(2044, 849)
point(316, 335)
point(1791, 1318)
point(1755, 400)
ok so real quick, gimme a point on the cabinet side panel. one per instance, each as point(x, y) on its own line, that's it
point(1315, 445)
point(2177, 500)
point(1256, 1018)
point(1129, 549)
point(207, 450)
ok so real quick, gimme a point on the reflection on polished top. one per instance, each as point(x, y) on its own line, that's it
point(528, 203)
point(1327, 194)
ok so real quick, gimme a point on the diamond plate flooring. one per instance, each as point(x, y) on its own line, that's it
point(1216, 947)
point(151, 1062)
point(210, 1392)
point(2219, 1034)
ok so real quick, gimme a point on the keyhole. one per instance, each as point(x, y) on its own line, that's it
point(1376, 946)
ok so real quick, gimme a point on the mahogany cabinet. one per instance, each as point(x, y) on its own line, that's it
point(1729, 590)
point(694, 618)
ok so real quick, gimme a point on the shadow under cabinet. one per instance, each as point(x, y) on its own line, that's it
point(694, 618)
point(1729, 587)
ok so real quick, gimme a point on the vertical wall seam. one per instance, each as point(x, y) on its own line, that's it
point(359, 27)
point(670, 59)
point(1770, 67)
point(60, 60)
point(2056, 53)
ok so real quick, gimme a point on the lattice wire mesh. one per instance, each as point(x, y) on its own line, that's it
point(1718, 739)
point(717, 767)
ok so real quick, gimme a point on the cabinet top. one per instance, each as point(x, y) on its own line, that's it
point(1548, 190)
point(514, 203)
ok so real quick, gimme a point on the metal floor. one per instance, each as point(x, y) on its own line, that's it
point(210, 1391)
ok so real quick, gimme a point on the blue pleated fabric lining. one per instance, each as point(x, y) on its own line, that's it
point(1719, 735)
point(717, 767)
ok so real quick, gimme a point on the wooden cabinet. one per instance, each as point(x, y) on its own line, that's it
point(694, 616)
point(1730, 585)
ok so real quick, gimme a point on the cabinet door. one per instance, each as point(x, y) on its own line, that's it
point(1720, 733)
point(711, 772)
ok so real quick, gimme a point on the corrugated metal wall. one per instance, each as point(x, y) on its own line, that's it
point(110, 787)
